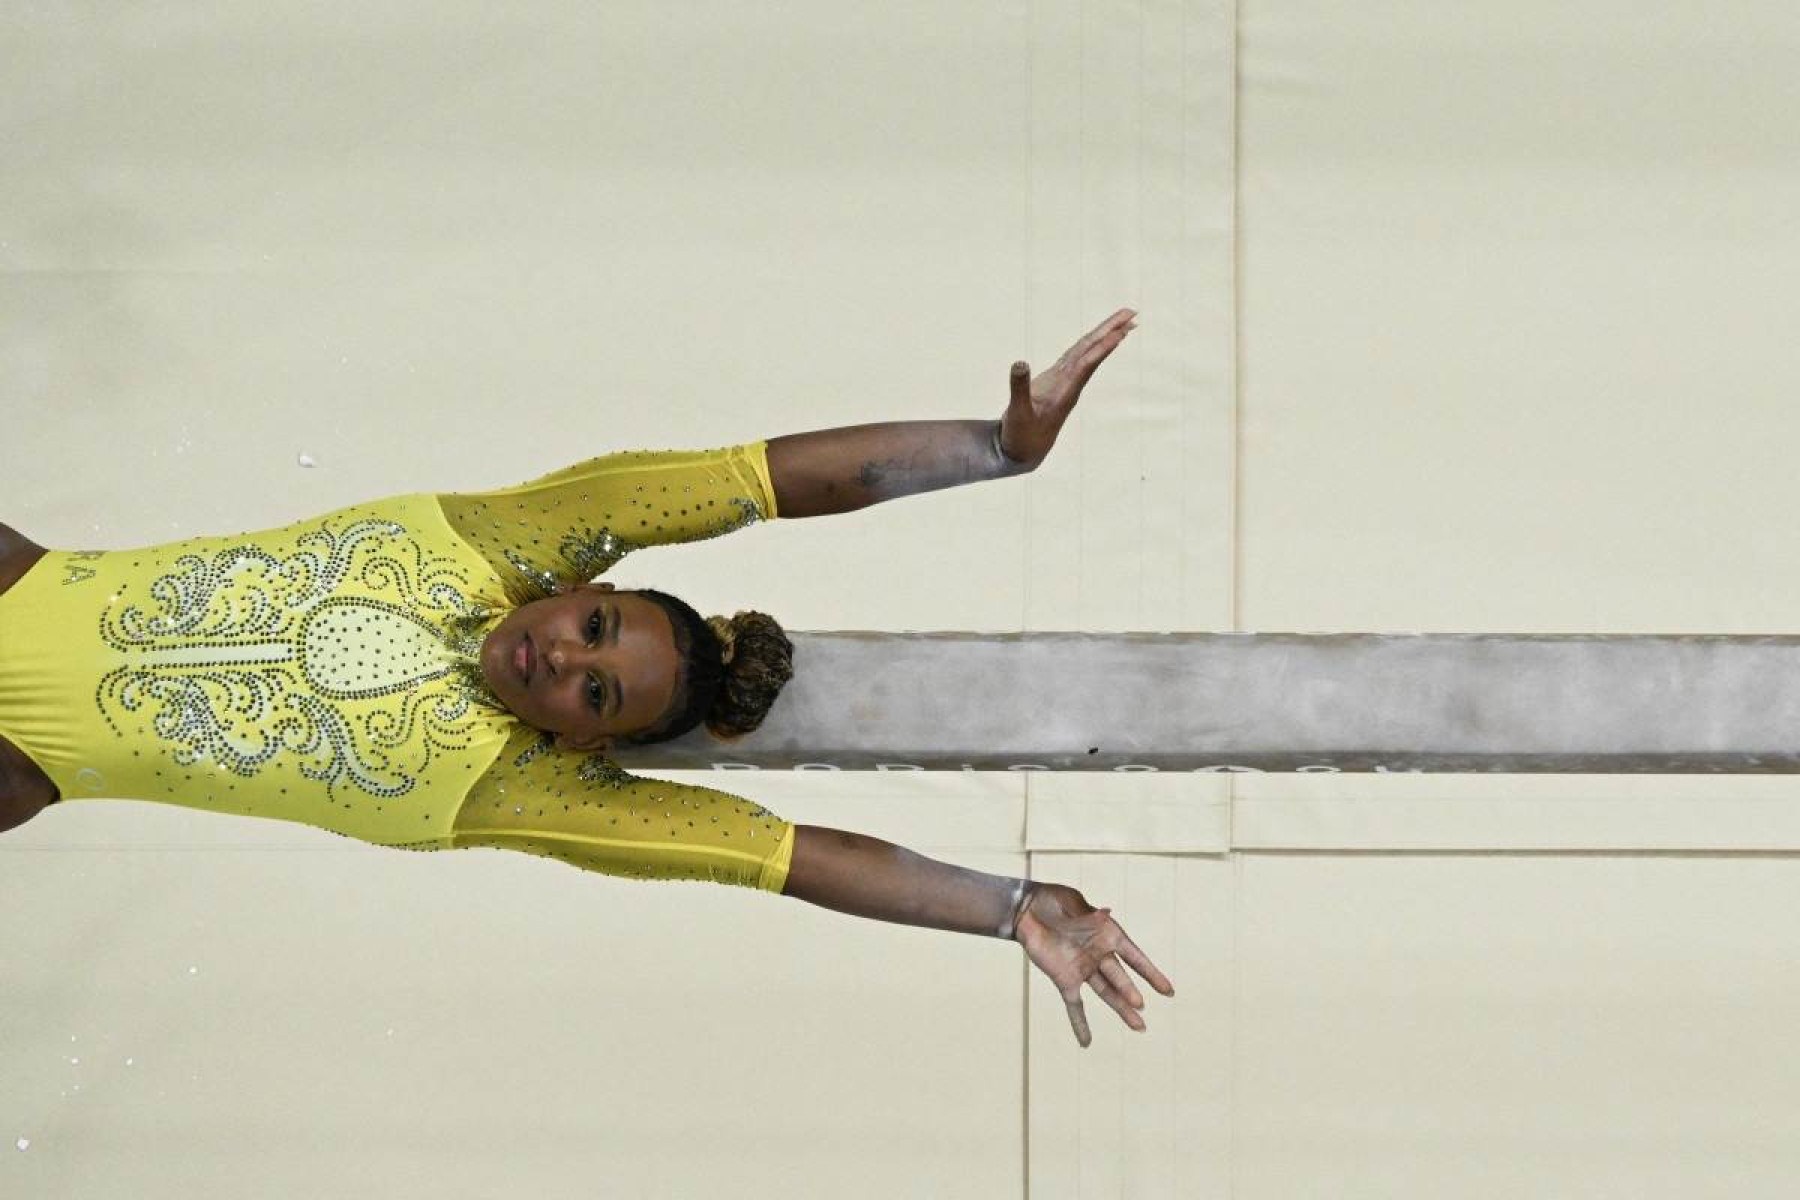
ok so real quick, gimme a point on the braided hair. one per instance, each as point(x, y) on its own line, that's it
point(732, 670)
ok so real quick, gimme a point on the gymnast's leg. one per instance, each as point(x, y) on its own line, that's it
point(24, 789)
point(18, 804)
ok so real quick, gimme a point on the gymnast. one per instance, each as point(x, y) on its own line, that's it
point(440, 671)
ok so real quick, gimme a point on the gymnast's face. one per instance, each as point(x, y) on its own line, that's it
point(589, 664)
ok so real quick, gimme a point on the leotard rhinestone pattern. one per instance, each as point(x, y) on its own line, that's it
point(248, 656)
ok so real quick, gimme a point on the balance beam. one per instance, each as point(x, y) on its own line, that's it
point(1415, 702)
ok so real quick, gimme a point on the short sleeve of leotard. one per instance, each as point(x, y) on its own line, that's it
point(575, 523)
point(586, 811)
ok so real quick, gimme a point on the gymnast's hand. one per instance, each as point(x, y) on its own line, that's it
point(1074, 943)
point(1038, 408)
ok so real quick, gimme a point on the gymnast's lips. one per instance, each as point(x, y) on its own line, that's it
point(524, 658)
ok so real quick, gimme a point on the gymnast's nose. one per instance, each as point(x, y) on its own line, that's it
point(562, 655)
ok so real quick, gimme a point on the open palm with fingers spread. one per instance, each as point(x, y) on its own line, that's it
point(1074, 943)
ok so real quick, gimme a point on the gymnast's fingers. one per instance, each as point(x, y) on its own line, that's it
point(1121, 983)
point(1021, 383)
point(1106, 987)
point(1140, 962)
point(1096, 354)
point(1077, 1016)
point(1103, 331)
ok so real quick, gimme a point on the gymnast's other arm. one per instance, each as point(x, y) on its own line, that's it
point(841, 470)
point(1069, 940)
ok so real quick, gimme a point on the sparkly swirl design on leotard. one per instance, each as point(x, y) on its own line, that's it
point(586, 553)
point(355, 656)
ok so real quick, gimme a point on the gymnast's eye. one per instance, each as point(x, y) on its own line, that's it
point(596, 697)
point(594, 627)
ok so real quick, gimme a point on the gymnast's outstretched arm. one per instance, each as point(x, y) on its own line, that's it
point(852, 467)
point(593, 815)
point(1069, 940)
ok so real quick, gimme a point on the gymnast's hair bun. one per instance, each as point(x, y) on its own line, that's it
point(758, 661)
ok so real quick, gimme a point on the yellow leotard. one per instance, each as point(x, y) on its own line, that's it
point(326, 672)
